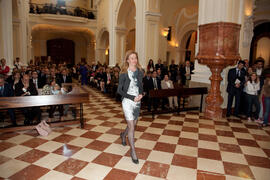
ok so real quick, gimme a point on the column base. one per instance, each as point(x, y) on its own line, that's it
point(213, 112)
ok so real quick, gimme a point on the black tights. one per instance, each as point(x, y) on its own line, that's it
point(129, 131)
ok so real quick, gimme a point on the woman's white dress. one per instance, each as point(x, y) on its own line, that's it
point(132, 109)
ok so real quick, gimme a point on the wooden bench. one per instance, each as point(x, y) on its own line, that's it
point(179, 92)
point(44, 100)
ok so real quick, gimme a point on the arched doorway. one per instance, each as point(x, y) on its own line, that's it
point(61, 50)
point(187, 46)
point(190, 47)
point(125, 29)
point(260, 44)
point(104, 47)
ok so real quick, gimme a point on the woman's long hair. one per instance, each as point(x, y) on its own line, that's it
point(151, 64)
point(125, 63)
point(249, 78)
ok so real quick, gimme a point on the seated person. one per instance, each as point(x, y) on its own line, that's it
point(66, 90)
point(27, 88)
point(7, 91)
point(14, 79)
point(36, 80)
point(64, 78)
point(167, 84)
point(4, 69)
point(51, 88)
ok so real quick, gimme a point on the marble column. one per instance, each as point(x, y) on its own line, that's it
point(219, 33)
point(7, 32)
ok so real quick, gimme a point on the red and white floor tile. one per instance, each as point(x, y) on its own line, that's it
point(170, 147)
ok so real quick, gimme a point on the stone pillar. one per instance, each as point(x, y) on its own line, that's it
point(219, 32)
point(23, 9)
point(90, 52)
point(152, 34)
point(147, 30)
point(121, 34)
point(7, 32)
point(112, 36)
point(140, 35)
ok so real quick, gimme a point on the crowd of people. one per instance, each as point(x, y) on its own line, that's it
point(250, 87)
point(31, 81)
point(247, 84)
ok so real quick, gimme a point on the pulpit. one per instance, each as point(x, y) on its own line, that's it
point(218, 48)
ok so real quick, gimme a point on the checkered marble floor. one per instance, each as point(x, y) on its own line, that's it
point(171, 147)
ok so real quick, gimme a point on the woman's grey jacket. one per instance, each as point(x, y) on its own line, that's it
point(124, 82)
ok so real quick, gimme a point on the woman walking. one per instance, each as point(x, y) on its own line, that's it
point(130, 87)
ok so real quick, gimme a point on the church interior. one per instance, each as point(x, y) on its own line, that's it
point(202, 126)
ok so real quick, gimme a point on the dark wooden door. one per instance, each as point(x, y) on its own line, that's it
point(61, 50)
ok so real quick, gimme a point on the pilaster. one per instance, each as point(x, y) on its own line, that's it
point(7, 31)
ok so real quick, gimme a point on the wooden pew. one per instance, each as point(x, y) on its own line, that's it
point(44, 100)
point(179, 92)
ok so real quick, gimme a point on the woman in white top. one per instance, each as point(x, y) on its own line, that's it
point(252, 88)
point(168, 84)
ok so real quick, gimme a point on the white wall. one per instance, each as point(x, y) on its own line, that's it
point(183, 17)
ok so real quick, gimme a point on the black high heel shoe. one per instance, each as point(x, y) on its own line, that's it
point(123, 139)
point(135, 161)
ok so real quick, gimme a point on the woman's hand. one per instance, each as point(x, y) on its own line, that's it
point(138, 98)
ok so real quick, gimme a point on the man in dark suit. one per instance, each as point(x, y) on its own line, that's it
point(36, 80)
point(147, 85)
point(27, 88)
point(186, 72)
point(155, 84)
point(64, 78)
point(44, 75)
point(173, 70)
point(7, 91)
point(236, 81)
point(259, 64)
point(159, 65)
